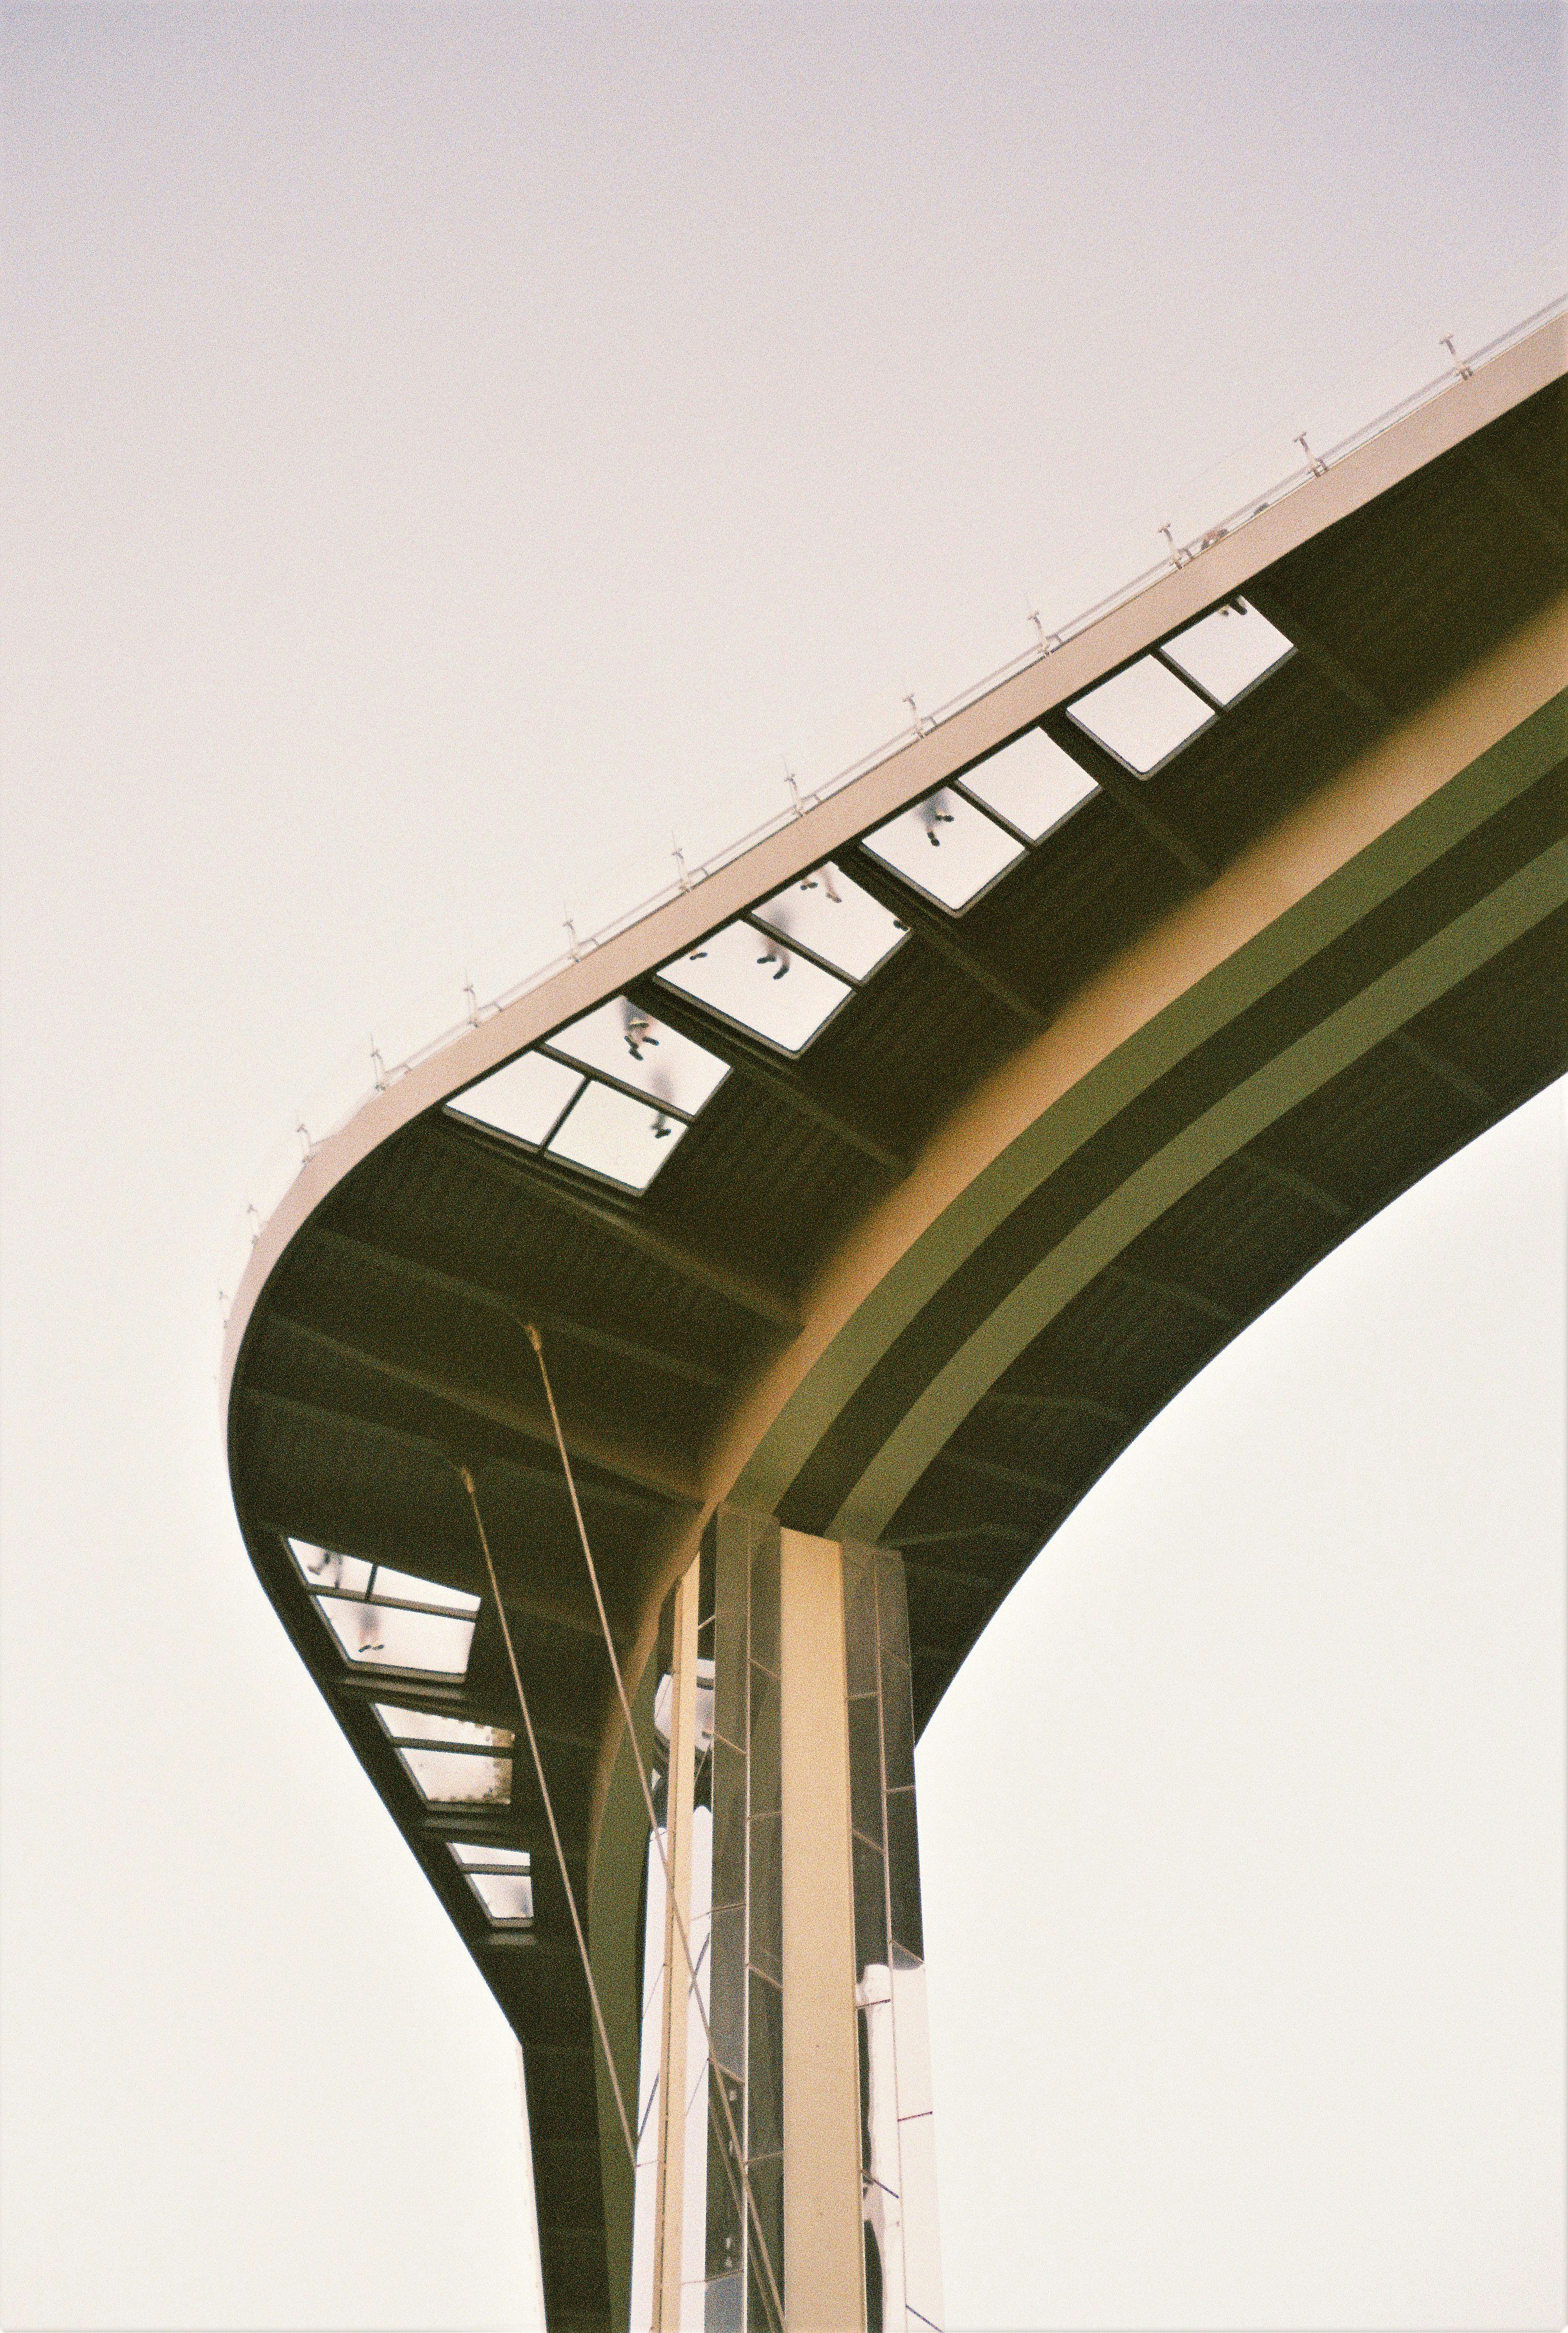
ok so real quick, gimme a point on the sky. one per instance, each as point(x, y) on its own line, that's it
point(455, 455)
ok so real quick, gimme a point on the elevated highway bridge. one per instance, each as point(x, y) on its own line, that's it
point(873, 1194)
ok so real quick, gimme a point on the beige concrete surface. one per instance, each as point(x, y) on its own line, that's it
point(824, 2261)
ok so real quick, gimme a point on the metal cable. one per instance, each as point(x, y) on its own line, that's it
point(549, 1816)
point(532, 1333)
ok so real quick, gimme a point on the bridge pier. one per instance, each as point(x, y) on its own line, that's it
point(785, 2173)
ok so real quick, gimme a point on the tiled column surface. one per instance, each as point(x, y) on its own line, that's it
point(785, 2177)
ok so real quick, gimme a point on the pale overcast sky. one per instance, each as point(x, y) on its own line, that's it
point(455, 452)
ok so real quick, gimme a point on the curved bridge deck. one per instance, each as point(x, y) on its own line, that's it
point(921, 1280)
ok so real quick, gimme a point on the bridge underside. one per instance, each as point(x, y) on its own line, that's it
point(1251, 1117)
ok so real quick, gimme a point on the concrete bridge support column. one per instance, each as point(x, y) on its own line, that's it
point(787, 2177)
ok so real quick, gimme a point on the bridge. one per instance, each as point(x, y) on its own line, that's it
point(798, 1259)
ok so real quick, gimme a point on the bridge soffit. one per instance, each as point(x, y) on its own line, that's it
point(1409, 799)
point(927, 762)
